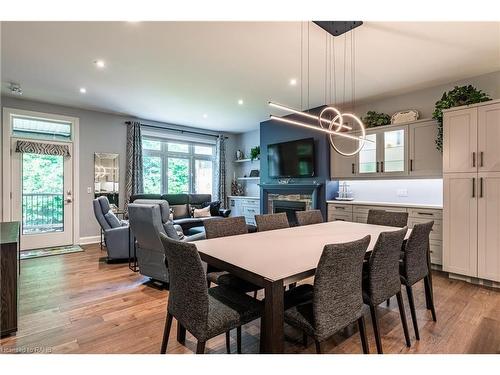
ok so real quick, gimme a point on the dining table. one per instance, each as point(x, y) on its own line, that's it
point(276, 258)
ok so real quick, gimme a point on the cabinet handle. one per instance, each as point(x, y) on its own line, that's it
point(377, 167)
point(481, 159)
point(339, 208)
point(425, 213)
point(411, 165)
point(382, 166)
point(352, 168)
point(473, 187)
point(480, 187)
point(474, 159)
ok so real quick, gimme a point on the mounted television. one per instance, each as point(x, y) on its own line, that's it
point(291, 159)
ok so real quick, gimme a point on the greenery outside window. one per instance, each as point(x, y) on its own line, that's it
point(175, 167)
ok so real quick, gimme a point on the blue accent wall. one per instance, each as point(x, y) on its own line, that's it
point(272, 131)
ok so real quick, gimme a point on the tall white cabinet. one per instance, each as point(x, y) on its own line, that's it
point(471, 205)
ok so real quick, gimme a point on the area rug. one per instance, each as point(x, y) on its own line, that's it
point(37, 253)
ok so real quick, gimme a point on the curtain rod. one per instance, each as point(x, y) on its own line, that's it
point(177, 130)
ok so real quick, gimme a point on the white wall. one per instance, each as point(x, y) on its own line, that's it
point(421, 191)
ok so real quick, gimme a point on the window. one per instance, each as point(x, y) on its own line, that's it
point(175, 167)
point(28, 127)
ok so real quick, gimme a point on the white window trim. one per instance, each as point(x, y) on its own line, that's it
point(5, 140)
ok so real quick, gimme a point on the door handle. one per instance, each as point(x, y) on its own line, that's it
point(480, 187)
point(473, 187)
point(481, 159)
point(382, 166)
point(352, 168)
point(474, 159)
point(411, 165)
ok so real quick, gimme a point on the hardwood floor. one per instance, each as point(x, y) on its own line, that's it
point(76, 303)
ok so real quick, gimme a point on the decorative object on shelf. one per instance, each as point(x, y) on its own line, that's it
point(239, 155)
point(254, 173)
point(373, 119)
point(460, 95)
point(255, 153)
point(344, 193)
point(236, 188)
point(405, 116)
point(331, 120)
point(284, 181)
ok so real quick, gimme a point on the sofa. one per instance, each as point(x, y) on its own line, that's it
point(181, 206)
point(116, 232)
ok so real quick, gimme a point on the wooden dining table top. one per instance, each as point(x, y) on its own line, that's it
point(282, 253)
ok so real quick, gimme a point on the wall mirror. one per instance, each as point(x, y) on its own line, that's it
point(106, 176)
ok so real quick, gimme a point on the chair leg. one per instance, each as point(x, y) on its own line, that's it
point(166, 333)
point(409, 291)
point(402, 312)
point(318, 347)
point(181, 333)
point(238, 340)
point(255, 294)
point(228, 343)
point(200, 347)
point(388, 302)
point(362, 334)
point(428, 290)
point(304, 339)
point(376, 329)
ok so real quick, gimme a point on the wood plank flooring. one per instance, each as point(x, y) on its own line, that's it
point(76, 303)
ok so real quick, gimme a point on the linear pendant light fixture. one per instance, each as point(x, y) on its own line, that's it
point(330, 120)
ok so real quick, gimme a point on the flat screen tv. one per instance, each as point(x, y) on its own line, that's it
point(291, 159)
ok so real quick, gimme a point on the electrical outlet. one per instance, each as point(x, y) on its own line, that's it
point(402, 192)
point(89, 190)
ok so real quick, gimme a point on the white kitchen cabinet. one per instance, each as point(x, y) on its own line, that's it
point(488, 143)
point(460, 141)
point(245, 206)
point(460, 223)
point(343, 166)
point(488, 224)
point(424, 158)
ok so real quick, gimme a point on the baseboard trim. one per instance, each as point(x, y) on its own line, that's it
point(89, 240)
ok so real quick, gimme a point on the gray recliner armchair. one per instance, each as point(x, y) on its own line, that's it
point(116, 232)
point(147, 221)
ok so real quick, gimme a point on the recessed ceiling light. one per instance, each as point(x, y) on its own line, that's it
point(205, 115)
point(83, 90)
point(293, 82)
point(240, 101)
point(100, 64)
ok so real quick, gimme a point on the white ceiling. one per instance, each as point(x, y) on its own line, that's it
point(177, 71)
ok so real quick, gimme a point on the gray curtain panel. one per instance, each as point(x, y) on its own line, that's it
point(220, 170)
point(42, 148)
point(134, 181)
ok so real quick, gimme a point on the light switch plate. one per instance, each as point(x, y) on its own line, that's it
point(402, 192)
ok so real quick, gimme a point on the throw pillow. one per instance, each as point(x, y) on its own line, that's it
point(112, 220)
point(214, 207)
point(201, 212)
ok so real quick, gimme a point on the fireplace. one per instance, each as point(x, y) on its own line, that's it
point(289, 207)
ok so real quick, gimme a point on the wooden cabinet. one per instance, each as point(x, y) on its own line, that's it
point(488, 226)
point(392, 152)
point(488, 142)
point(9, 271)
point(358, 213)
point(460, 141)
point(460, 223)
point(424, 158)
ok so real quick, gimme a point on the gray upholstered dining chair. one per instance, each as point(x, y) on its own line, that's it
point(204, 312)
point(414, 267)
point(337, 299)
point(309, 217)
point(388, 218)
point(271, 221)
point(230, 226)
point(381, 279)
point(116, 232)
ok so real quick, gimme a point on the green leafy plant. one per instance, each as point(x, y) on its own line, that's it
point(460, 95)
point(255, 153)
point(373, 119)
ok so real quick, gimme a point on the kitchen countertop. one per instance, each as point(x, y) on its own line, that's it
point(242, 197)
point(388, 204)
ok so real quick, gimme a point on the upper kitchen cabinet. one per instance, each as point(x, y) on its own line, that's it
point(488, 138)
point(424, 158)
point(343, 166)
point(460, 141)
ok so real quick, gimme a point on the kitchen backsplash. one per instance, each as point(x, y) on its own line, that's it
point(424, 191)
